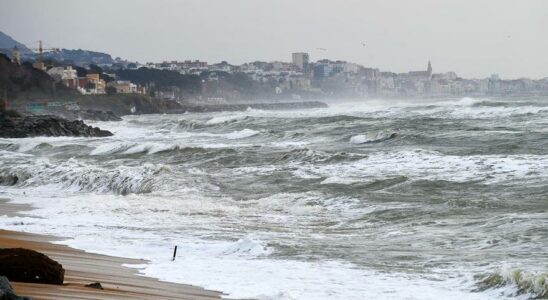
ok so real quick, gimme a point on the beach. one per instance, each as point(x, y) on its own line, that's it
point(82, 268)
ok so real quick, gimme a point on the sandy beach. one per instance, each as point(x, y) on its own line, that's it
point(83, 268)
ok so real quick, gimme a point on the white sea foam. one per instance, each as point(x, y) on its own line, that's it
point(431, 165)
point(248, 247)
point(110, 148)
point(226, 118)
point(370, 137)
point(242, 268)
point(244, 133)
point(237, 244)
point(78, 176)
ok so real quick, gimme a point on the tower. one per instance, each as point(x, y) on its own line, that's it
point(301, 59)
point(16, 55)
point(429, 70)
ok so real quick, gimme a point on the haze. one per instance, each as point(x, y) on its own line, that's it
point(472, 38)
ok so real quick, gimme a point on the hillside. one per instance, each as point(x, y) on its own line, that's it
point(77, 57)
point(80, 57)
point(7, 43)
point(19, 82)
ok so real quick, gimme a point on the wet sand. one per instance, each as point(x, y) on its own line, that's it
point(83, 268)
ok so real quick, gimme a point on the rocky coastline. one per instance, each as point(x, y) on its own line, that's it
point(17, 126)
point(116, 110)
point(90, 115)
point(245, 106)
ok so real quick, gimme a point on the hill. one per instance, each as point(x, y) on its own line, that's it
point(77, 57)
point(25, 82)
point(80, 57)
point(7, 43)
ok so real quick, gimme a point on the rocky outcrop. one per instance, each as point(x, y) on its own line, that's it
point(90, 114)
point(31, 126)
point(25, 265)
point(6, 291)
point(126, 104)
point(263, 106)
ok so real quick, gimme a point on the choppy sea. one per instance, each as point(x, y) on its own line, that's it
point(383, 199)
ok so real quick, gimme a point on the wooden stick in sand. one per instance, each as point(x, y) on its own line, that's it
point(174, 253)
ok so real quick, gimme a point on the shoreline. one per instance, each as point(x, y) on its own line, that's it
point(82, 268)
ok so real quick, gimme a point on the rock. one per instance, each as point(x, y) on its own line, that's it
point(95, 285)
point(6, 291)
point(90, 114)
point(263, 106)
point(25, 265)
point(30, 126)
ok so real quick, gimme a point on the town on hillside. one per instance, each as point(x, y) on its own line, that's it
point(194, 81)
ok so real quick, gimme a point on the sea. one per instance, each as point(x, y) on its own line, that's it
point(364, 199)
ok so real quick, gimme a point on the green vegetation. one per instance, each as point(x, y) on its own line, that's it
point(121, 104)
point(25, 82)
point(161, 79)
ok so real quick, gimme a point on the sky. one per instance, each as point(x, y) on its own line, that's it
point(473, 38)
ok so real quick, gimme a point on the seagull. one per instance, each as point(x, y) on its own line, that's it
point(363, 44)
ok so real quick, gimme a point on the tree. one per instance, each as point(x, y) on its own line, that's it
point(95, 69)
point(110, 90)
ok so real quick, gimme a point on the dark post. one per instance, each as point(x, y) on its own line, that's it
point(174, 253)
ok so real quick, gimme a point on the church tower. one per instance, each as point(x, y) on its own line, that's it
point(16, 56)
point(429, 70)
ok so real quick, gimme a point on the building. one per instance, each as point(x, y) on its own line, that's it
point(301, 60)
point(68, 76)
point(422, 74)
point(123, 87)
point(92, 84)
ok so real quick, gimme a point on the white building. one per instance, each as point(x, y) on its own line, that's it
point(61, 74)
point(300, 59)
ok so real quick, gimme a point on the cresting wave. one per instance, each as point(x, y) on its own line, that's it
point(79, 176)
point(310, 156)
point(372, 137)
point(511, 282)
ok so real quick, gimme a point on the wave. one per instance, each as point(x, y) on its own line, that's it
point(308, 155)
point(372, 137)
point(247, 246)
point(228, 119)
point(8, 179)
point(79, 176)
point(244, 133)
point(158, 148)
point(189, 125)
point(110, 148)
point(135, 148)
point(515, 282)
point(491, 103)
point(364, 184)
point(469, 101)
point(432, 165)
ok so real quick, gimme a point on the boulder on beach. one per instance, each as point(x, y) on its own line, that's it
point(25, 265)
point(95, 285)
point(6, 291)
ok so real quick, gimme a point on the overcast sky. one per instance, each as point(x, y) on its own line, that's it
point(471, 37)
